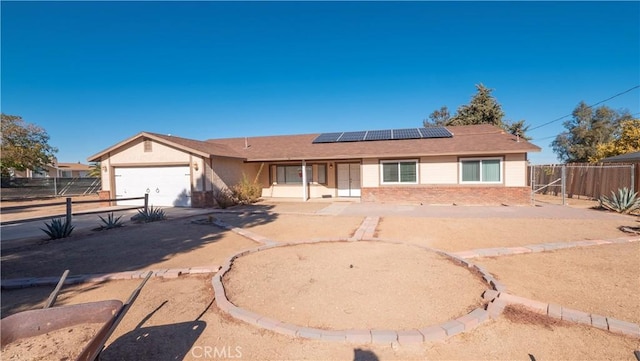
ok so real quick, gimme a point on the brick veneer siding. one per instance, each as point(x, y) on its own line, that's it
point(462, 195)
point(104, 195)
point(202, 199)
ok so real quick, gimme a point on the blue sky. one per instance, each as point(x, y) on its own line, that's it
point(95, 73)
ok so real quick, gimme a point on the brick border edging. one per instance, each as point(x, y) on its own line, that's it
point(563, 313)
point(168, 273)
point(438, 332)
point(540, 247)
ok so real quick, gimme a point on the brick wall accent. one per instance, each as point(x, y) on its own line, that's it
point(201, 199)
point(461, 195)
point(104, 195)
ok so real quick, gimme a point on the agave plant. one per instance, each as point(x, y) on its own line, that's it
point(624, 202)
point(111, 222)
point(58, 229)
point(150, 214)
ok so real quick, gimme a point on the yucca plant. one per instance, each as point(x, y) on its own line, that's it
point(151, 214)
point(111, 222)
point(624, 202)
point(58, 229)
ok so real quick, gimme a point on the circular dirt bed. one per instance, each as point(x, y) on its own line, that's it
point(353, 285)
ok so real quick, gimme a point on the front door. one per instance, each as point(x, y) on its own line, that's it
point(348, 180)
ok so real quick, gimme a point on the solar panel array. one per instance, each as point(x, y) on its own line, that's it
point(388, 134)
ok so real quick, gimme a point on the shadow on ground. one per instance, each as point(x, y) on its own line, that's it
point(132, 247)
point(150, 342)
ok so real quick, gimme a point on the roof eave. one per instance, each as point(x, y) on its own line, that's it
point(98, 156)
point(397, 155)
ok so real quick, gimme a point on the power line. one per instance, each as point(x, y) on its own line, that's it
point(588, 106)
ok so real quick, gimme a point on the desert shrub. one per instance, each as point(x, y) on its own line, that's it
point(224, 198)
point(58, 228)
point(246, 191)
point(110, 222)
point(151, 214)
point(624, 202)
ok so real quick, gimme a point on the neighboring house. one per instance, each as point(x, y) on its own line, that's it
point(59, 170)
point(629, 158)
point(479, 164)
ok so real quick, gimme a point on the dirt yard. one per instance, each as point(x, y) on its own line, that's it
point(319, 283)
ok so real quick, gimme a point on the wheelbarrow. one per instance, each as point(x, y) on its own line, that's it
point(32, 323)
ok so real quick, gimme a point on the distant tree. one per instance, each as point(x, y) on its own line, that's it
point(95, 170)
point(625, 140)
point(438, 118)
point(24, 145)
point(518, 128)
point(587, 128)
point(483, 109)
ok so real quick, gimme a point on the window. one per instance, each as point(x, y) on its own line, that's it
point(147, 145)
point(292, 174)
point(399, 172)
point(481, 170)
point(322, 174)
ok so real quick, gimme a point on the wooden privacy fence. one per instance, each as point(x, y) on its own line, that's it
point(581, 179)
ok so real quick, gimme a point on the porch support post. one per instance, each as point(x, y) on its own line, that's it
point(304, 180)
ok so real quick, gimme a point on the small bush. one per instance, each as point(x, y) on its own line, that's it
point(111, 222)
point(246, 191)
point(150, 215)
point(224, 198)
point(624, 202)
point(58, 228)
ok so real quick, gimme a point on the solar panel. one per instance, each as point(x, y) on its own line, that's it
point(378, 135)
point(410, 133)
point(387, 134)
point(327, 138)
point(435, 132)
point(352, 136)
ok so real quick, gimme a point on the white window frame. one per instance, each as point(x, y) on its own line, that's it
point(398, 161)
point(309, 176)
point(461, 160)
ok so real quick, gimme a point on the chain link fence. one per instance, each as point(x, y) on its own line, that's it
point(24, 188)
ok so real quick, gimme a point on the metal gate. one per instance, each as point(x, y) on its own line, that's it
point(583, 180)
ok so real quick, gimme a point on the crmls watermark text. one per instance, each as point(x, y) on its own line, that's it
point(216, 352)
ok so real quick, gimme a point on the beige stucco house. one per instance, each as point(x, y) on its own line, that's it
point(479, 164)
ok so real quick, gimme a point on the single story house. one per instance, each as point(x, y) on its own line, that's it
point(475, 164)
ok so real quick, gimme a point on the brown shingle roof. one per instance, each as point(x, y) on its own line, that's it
point(202, 148)
point(468, 140)
point(210, 148)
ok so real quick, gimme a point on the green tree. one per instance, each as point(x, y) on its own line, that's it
point(24, 145)
point(483, 109)
point(438, 118)
point(587, 128)
point(95, 170)
point(518, 128)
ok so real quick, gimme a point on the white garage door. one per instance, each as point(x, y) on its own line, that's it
point(166, 186)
